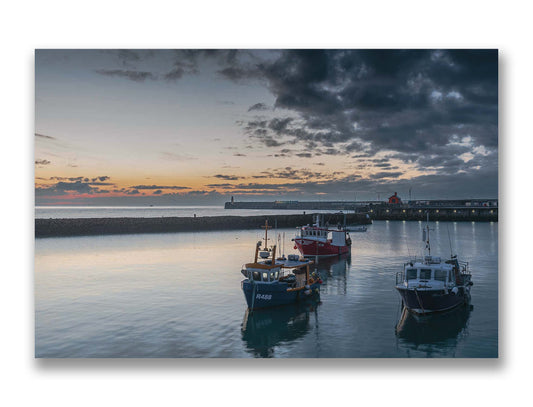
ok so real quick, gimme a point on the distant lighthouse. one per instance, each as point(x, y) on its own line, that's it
point(395, 199)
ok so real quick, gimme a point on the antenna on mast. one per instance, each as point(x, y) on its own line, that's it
point(426, 235)
point(449, 241)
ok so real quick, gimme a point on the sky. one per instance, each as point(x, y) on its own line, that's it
point(194, 127)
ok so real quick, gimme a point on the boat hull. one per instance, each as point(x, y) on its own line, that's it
point(272, 295)
point(308, 248)
point(430, 301)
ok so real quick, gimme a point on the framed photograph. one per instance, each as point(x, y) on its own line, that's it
point(266, 203)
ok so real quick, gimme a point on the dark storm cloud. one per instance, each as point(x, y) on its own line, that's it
point(76, 185)
point(100, 183)
point(408, 101)
point(187, 61)
point(101, 178)
point(226, 185)
point(69, 179)
point(385, 174)
point(476, 183)
point(42, 162)
point(62, 188)
point(226, 177)
point(158, 187)
point(237, 74)
point(127, 56)
point(176, 73)
point(258, 107)
point(136, 76)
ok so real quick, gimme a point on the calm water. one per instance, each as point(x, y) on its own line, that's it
point(55, 212)
point(179, 295)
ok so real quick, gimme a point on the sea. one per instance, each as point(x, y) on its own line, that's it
point(178, 295)
point(55, 212)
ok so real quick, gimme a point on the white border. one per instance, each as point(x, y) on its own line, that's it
point(338, 24)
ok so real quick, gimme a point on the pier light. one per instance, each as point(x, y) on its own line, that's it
point(437, 211)
point(371, 210)
point(454, 211)
point(473, 210)
point(491, 211)
point(387, 211)
point(404, 211)
point(420, 210)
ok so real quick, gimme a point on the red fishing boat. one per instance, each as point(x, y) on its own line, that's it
point(318, 240)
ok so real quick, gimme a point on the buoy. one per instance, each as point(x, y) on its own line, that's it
point(295, 247)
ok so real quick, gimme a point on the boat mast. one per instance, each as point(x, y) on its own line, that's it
point(427, 235)
point(266, 227)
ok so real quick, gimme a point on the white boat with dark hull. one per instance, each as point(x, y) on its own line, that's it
point(432, 284)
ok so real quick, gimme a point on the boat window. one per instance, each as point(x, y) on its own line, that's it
point(440, 275)
point(274, 276)
point(410, 274)
point(425, 274)
point(265, 276)
point(257, 276)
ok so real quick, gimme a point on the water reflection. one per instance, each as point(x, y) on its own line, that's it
point(264, 329)
point(144, 296)
point(333, 272)
point(434, 335)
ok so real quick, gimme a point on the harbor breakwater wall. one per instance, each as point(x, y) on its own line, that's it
point(457, 214)
point(112, 226)
point(480, 210)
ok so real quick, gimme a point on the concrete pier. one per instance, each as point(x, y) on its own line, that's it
point(110, 226)
point(445, 210)
point(388, 212)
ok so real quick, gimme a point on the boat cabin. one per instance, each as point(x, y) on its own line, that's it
point(430, 273)
point(315, 233)
point(265, 276)
point(335, 237)
point(293, 270)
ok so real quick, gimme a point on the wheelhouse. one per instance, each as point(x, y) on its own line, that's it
point(425, 274)
point(315, 233)
point(264, 276)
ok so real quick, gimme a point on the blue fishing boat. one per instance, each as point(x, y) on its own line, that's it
point(431, 284)
point(271, 281)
